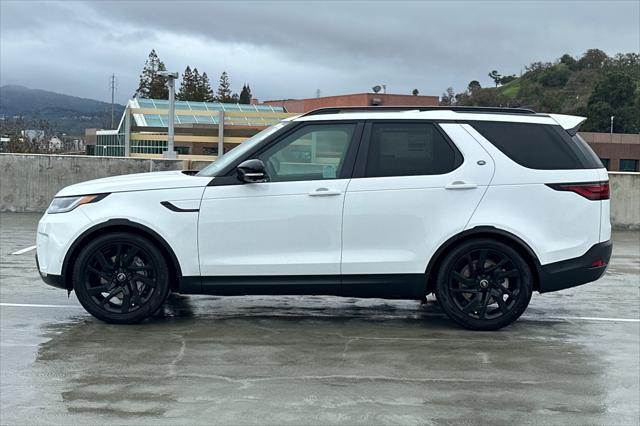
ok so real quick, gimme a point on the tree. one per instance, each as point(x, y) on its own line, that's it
point(507, 79)
point(223, 94)
point(629, 63)
point(152, 84)
point(616, 89)
point(197, 86)
point(23, 138)
point(592, 59)
point(245, 95)
point(187, 86)
point(614, 95)
point(555, 76)
point(473, 86)
point(205, 91)
point(448, 98)
point(488, 97)
point(598, 117)
point(495, 77)
point(415, 92)
point(568, 60)
point(462, 98)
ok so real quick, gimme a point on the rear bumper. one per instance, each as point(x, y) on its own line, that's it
point(573, 272)
point(52, 280)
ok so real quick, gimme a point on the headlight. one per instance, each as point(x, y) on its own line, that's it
point(66, 204)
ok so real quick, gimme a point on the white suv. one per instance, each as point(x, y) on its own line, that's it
point(481, 206)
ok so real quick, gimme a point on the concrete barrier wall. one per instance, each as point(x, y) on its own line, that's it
point(28, 182)
point(625, 199)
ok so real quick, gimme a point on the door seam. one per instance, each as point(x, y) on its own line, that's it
point(493, 173)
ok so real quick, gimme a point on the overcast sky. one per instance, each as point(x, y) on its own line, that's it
point(291, 49)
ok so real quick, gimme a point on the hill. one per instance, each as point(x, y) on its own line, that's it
point(64, 113)
point(595, 85)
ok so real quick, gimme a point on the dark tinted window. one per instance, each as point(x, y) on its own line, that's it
point(538, 146)
point(627, 165)
point(590, 157)
point(408, 149)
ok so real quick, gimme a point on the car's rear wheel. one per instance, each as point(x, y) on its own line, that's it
point(121, 278)
point(484, 284)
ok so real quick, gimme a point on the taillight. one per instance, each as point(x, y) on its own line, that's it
point(589, 190)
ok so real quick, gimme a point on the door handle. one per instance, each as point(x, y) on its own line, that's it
point(323, 192)
point(459, 184)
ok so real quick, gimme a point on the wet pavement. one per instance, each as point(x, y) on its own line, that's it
point(573, 358)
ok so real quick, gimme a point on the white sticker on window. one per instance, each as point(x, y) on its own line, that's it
point(328, 172)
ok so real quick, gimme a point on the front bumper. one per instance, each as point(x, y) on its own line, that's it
point(56, 233)
point(53, 280)
point(573, 272)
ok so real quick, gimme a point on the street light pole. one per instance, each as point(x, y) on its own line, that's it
point(611, 129)
point(171, 83)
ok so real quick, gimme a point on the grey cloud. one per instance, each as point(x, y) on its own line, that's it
point(288, 49)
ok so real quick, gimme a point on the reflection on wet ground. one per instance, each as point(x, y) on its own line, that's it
point(320, 360)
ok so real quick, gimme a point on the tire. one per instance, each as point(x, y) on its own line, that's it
point(484, 284)
point(121, 278)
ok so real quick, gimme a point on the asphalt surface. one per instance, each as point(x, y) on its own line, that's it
point(573, 358)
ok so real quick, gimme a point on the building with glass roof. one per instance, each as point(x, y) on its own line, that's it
point(199, 128)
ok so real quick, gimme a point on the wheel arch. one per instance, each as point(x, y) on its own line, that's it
point(121, 225)
point(506, 237)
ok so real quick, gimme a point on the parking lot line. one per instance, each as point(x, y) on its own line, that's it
point(34, 305)
point(599, 319)
point(24, 250)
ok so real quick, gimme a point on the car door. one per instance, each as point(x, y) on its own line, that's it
point(413, 188)
point(285, 232)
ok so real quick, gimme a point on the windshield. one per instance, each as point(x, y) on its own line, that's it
point(214, 168)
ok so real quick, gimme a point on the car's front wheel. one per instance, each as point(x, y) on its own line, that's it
point(484, 284)
point(121, 278)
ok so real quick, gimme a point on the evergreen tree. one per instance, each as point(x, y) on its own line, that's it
point(223, 94)
point(187, 86)
point(415, 92)
point(197, 86)
point(245, 95)
point(152, 84)
point(205, 89)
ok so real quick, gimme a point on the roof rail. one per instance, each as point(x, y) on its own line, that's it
point(471, 109)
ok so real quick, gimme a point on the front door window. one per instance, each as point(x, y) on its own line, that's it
point(314, 152)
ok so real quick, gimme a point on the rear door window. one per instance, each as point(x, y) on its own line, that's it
point(538, 146)
point(408, 149)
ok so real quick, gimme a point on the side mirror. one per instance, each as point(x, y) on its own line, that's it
point(252, 171)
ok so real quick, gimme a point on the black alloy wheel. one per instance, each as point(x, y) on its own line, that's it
point(121, 278)
point(484, 285)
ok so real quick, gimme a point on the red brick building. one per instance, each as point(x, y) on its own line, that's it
point(356, 99)
point(618, 151)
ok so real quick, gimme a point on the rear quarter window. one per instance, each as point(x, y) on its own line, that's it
point(538, 146)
